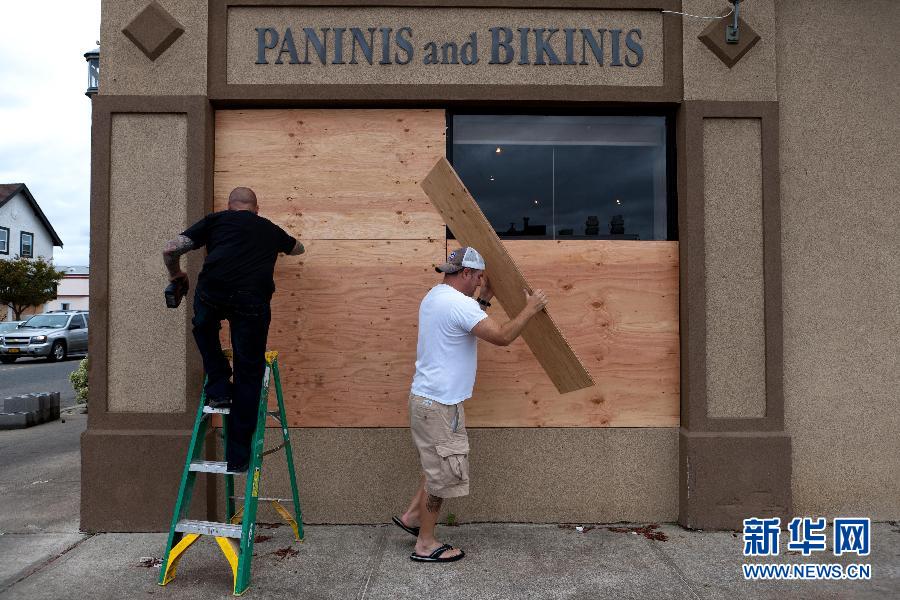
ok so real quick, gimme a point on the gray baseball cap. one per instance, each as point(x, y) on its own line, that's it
point(460, 259)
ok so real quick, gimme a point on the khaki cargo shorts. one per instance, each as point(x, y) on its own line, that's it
point(439, 433)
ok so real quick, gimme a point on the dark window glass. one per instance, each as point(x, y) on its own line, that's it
point(566, 177)
point(27, 245)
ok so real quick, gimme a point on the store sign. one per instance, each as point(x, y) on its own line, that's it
point(443, 46)
point(536, 46)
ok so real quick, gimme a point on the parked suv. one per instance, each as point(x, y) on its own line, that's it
point(54, 334)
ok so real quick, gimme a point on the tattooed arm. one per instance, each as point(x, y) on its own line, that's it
point(298, 249)
point(172, 256)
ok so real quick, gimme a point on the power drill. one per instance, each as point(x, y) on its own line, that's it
point(175, 291)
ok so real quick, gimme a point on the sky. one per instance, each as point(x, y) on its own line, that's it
point(45, 118)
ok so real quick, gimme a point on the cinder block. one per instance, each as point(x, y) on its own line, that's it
point(20, 404)
point(41, 405)
point(37, 408)
point(54, 406)
point(49, 406)
point(46, 404)
point(18, 420)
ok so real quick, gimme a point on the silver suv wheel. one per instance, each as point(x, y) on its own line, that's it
point(58, 352)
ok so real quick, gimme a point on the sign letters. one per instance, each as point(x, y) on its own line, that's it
point(500, 45)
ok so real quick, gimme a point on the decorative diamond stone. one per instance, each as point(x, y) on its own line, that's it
point(153, 30)
point(714, 38)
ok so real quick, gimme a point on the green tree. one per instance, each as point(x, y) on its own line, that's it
point(27, 282)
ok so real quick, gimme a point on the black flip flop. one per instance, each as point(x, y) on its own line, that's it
point(414, 531)
point(436, 555)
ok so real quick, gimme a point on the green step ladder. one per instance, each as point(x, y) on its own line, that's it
point(235, 536)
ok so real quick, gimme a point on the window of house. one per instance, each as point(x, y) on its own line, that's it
point(561, 177)
point(26, 249)
point(4, 240)
point(66, 305)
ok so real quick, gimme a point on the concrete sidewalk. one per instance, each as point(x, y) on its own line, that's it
point(44, 555)
point(502, 562)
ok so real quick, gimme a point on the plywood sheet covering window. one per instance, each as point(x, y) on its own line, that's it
point(334, 174)
point(345, 314)
point(345, 319)
point(617, 303)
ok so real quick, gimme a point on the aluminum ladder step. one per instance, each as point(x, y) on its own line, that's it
point(209, 410)
point(209, 528)
point(213, 466)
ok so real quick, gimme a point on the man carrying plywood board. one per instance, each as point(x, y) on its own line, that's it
point(461, 213)
point(450, 320)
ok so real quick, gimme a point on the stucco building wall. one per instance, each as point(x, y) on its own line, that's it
point(180, 70)
point(708, 78)
point(838, 82)
point(147, 207)
point(733, 232)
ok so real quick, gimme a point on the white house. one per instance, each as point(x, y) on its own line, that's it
point(24, 228)
point(72, 293)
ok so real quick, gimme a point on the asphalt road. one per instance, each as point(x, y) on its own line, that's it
point(28, 375)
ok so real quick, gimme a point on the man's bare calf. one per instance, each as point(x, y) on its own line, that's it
point(429, 510)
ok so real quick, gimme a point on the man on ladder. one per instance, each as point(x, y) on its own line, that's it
point(235, 284)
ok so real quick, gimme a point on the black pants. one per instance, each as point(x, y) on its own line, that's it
point(248, 315)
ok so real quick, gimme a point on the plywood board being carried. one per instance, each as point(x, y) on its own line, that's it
point(461, 213)
point(618, 302)
point(334, 174)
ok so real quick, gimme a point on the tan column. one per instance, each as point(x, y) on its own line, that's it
point(151, 168)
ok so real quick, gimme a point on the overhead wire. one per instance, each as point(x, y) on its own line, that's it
point(675, 12)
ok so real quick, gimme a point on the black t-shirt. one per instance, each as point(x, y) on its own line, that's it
point(241, 251)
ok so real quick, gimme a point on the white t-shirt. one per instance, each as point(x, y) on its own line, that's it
point(447, 353)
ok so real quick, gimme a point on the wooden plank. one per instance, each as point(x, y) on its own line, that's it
point(334, 174)
point(618, 301)
point(471, 227)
